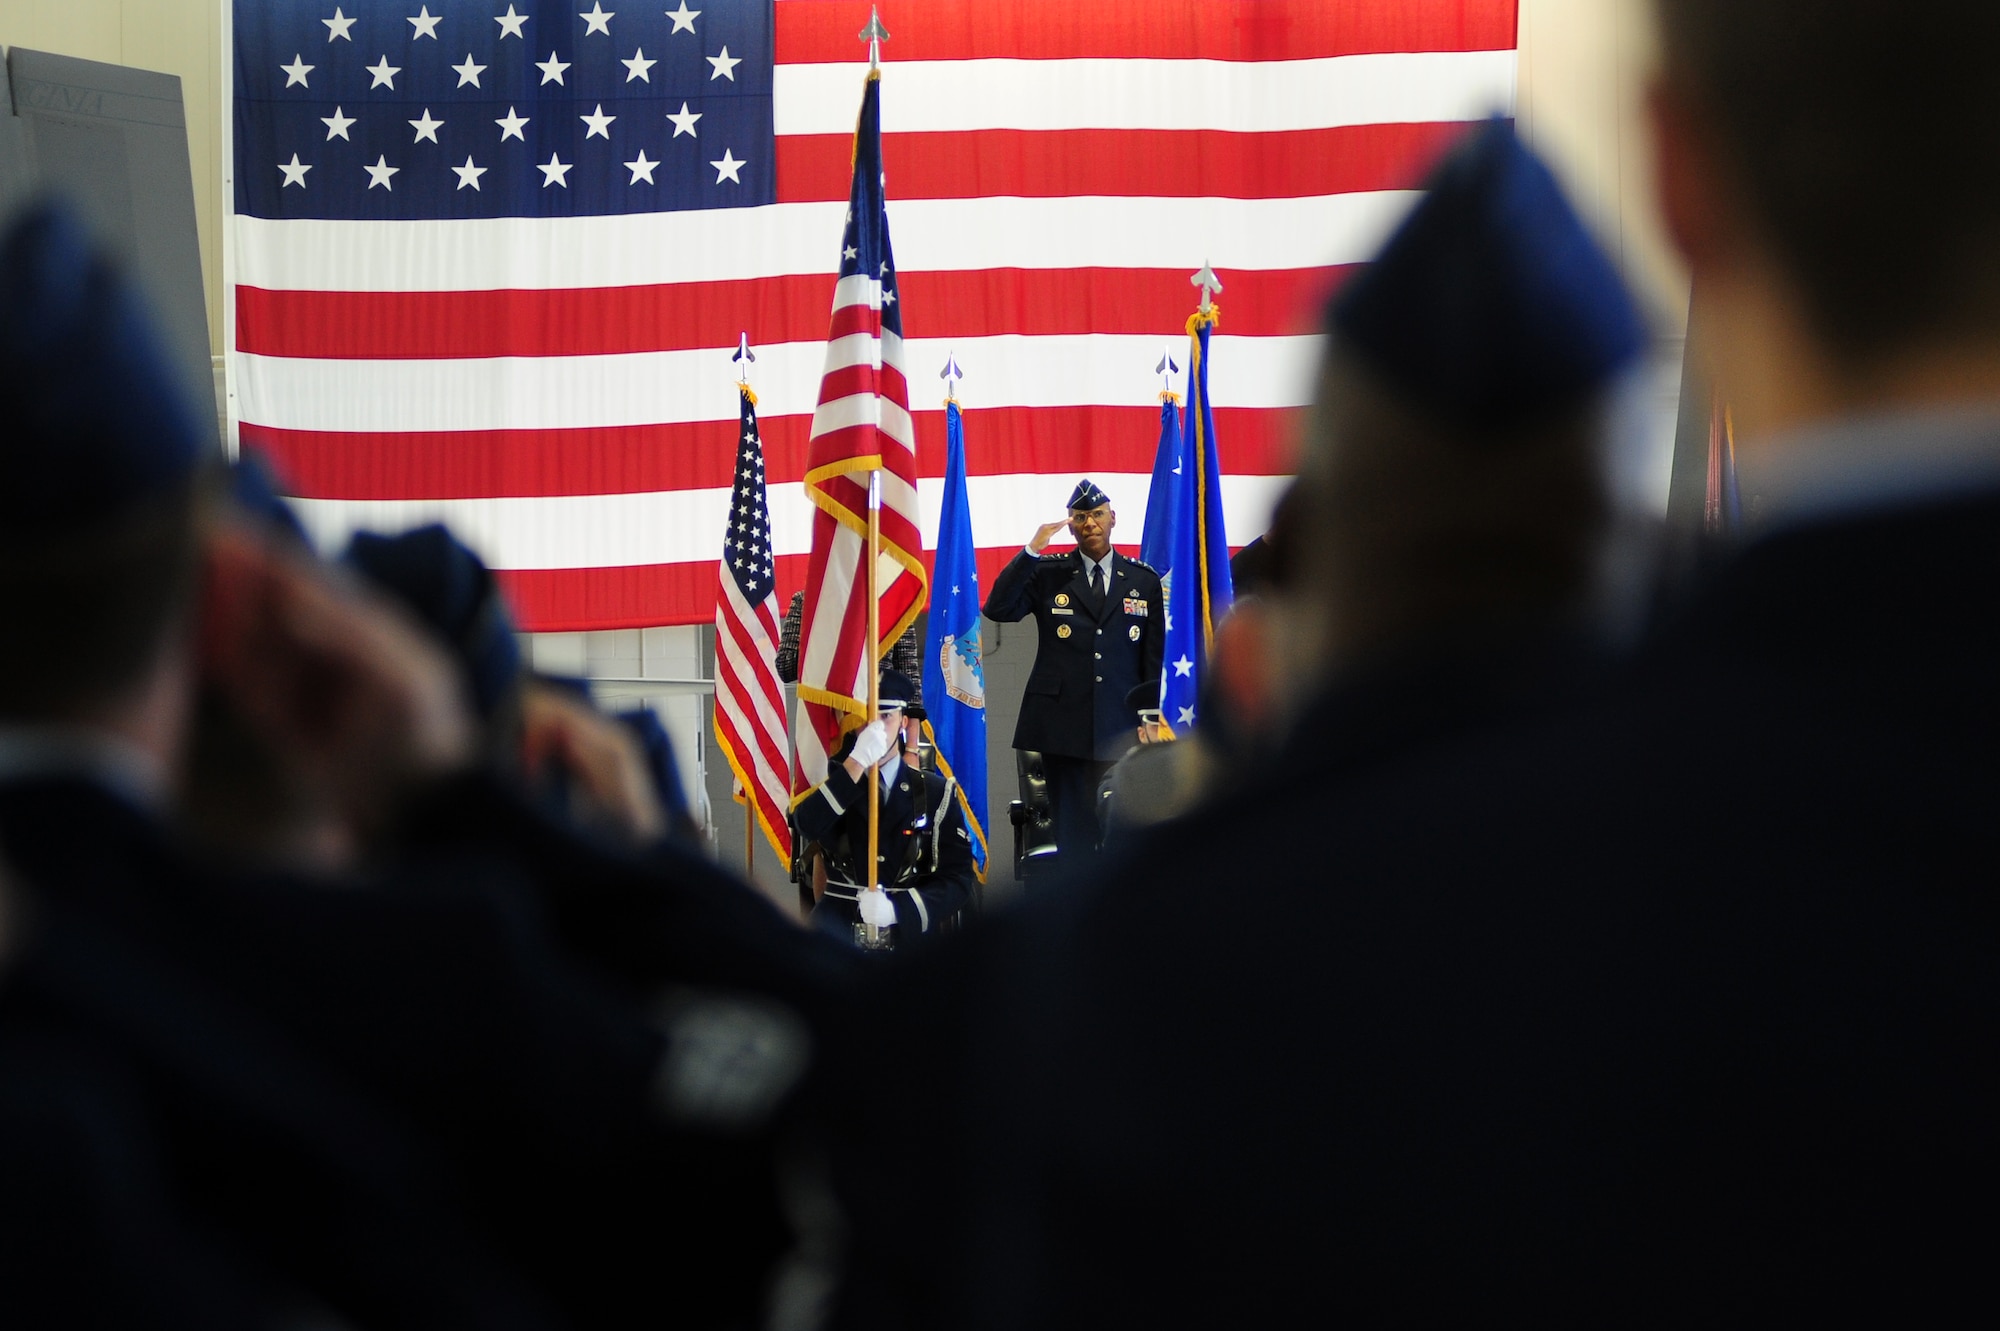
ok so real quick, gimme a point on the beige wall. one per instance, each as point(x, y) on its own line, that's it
point(1580, 103)
point(1581, 76)
point(181, 37)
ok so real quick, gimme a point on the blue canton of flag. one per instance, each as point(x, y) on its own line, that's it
point(369, 110)
point(954, 673)
point(1165, 491)
point(1196, 575)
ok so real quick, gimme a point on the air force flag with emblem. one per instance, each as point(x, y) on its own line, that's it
point(954, 676)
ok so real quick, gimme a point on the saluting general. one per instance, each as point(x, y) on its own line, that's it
point(1101, 621)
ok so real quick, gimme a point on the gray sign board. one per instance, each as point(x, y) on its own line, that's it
point(113, 141)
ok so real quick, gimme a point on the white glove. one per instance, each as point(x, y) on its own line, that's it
point(877, 909)
point(872, 744)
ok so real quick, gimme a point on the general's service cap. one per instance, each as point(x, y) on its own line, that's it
point(1087, 496)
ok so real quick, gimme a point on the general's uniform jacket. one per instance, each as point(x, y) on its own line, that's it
point(1086, 660)
point(924, 848)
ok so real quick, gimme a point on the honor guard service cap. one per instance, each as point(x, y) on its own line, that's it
point(1087, 496)
point(452, 592)
point(895, 690)
point(1491, 303)
point(96, 418)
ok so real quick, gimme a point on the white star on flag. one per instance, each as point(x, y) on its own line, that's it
point(555, 171)
point(1187, 716)
point(468, 72)
point(598, 20)
point(510, 125)
point(338, 25)
point(1183, 667)
point(727, 168)
point(295, 172)
point(638, 66)
point(725, 66)
point(850, 253)
point(600, 124)
point(510, 24)
point(424, 24)
point(426, 128)
point(469, 174)
point(384, 74)
point(684, 122)
point(641, 169)
point(379, 173)
point(552, 69)
point(295, 73)
point(683, 18)
point(337, 123)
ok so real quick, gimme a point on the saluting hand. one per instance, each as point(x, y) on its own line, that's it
point(1045, 533)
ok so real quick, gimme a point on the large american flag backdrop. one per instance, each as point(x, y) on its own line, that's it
point(489, 261)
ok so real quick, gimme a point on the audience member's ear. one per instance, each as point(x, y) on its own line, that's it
point(1686, 175)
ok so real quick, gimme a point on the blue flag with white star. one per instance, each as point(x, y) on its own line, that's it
point(954, 675)
point(1161, 498)
point(1196, 574)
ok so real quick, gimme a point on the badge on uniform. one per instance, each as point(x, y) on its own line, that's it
point(1062, 598)
point(1135, 633)
point(1136, 605)
point(1062, 630)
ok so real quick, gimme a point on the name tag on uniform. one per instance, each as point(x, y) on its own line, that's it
point(1136, 605)
point(1061, 610)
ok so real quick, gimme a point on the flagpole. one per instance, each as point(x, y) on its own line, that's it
point(874, 681)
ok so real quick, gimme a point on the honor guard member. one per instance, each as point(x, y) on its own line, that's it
point(1101, 620)
point(924, 865)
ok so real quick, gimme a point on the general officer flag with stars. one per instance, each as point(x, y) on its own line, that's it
point(1196, 578)
point(954, 675)
point(1165, 491)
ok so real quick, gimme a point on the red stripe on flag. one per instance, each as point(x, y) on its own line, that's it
point(1147, 29)
point(568, 600)
point(1178, 164)
point(478, 464)
point(596, 321)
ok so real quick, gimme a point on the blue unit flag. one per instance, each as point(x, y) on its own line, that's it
point(1196, 574)
point(1161, 498)
point(954, 676)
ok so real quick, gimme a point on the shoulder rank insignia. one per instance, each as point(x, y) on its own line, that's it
point(1140, 563)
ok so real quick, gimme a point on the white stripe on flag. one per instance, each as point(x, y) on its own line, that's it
point(663, 387)
point(1243, 97)
point(684, 526)
point(712, 245)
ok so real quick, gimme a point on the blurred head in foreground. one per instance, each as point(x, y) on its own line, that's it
point(1822, 166)
point(132, 584)
point(103, 459)
point(1451, 484)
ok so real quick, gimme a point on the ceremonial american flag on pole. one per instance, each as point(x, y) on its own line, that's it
point(749, 700)
point(862, 428)
point(488, 259)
